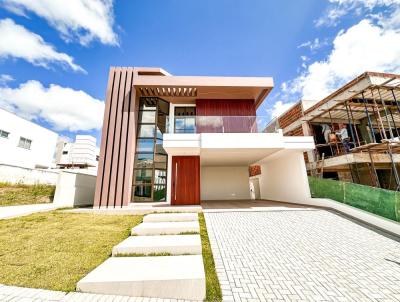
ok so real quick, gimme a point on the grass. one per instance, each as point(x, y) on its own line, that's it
point(19, 194)
point(188, 233)
point(143, 255)
point(54, 250)
point(213, 288)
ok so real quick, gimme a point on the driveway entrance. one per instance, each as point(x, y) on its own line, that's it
point(301, 254)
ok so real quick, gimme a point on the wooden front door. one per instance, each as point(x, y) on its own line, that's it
point(185, 180)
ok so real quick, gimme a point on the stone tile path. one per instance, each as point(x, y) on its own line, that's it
point(22, 294)
point(302, 255)
point(16, 211)
point(175, 275)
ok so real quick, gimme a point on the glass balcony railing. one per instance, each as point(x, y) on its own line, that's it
point(217, 124)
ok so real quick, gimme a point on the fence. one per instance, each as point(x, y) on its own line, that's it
point(381, 202)
point(13, 174)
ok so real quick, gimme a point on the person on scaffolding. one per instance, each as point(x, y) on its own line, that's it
point(344, 137)
point(326, 131)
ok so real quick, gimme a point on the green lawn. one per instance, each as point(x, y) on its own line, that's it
point(54, 250)
point(19, 194)
point(213, 289)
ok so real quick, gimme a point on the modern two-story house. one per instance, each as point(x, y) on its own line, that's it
point(181, 140)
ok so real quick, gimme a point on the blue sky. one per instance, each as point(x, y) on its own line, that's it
point(55, 55)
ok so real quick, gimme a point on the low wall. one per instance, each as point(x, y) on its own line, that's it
point(224, 183)
point(14, 175)
point(74, 189)
point(381, 202)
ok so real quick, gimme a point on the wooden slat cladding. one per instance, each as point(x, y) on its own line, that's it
point(291, 116)
point(114, 177)
point(206, 107)
point(233, 115)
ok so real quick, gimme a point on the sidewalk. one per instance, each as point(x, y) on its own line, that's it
point(16, 211)
point(14, 293)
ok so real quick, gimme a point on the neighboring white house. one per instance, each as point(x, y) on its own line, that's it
point(25, 144)
point(83, 153)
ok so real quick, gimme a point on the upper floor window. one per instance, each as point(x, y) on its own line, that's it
point(185, 119)
point(24, 143)
point(4, 134)
point(65, 152)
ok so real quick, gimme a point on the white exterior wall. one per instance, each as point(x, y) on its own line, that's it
point(83, 151)
point(74, 189)
point(224, 183)
point(284, 178)
point(42, 148)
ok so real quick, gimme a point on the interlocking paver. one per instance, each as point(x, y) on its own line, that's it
point(305, 255)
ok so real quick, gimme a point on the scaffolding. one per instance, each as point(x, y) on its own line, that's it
point(372, 119)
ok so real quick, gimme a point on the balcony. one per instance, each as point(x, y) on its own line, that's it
point(216, 124)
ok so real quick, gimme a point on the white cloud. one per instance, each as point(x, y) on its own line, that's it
point(82, 20)
point(339, 8)
point(314, 45)
point(18, 42)
point(279, 108)
point(363, 47)
point(5, 78)
point(63, 108)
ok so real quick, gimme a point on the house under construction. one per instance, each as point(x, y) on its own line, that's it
point(368, 107)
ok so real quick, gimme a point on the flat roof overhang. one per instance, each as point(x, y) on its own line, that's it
point(190, 88)
point(233, 149)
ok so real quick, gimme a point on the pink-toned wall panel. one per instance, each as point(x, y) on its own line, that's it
point(114, 177)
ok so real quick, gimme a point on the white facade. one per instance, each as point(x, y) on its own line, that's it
point(25, 144)
point(82, 153)
point(225, 158)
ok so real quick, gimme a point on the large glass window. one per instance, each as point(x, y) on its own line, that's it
point(150, 174)
point(185, 119)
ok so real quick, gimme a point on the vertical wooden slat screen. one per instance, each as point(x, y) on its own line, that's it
point(232, 116)
point(114, 177)
point(209, 107)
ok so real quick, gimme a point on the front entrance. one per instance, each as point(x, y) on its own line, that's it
point(185, 180)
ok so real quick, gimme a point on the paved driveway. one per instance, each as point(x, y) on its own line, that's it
point(302, 255)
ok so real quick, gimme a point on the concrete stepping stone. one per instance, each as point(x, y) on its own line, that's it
point(169, 277)
point(171, 244)
point(166, 228)
point(170, 217)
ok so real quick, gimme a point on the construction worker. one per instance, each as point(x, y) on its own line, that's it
point(344, 137)
point(326, 130)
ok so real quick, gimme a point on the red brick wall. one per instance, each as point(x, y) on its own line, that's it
point(294, 114)
point(254, 170)
point(296, 132)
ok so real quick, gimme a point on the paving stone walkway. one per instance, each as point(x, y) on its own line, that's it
point(302, 255)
